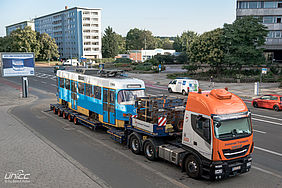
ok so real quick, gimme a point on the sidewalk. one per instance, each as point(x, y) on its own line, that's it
point(28, 161)
point(245, 90)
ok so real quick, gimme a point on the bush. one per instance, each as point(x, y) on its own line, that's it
point(123, 60)
point(153, 61)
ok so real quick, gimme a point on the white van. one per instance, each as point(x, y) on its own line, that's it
point(181, 85)
point(70, 62)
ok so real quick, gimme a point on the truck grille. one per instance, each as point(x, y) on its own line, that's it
point(228, 153)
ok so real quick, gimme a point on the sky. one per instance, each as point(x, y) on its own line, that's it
point(161, 17)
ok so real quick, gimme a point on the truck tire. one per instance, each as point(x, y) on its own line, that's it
point(54, 110)
point(184, 92)
point(150, 150)
point(69, 117)
point(192, 167)
point(169, 90)
point(64, 115)
point(75, 121)
point(255, 104)
point(135, 145)
point(276, 108)
point(59, 113)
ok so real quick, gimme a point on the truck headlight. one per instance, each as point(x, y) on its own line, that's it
point(219, 171)
point(249, 164)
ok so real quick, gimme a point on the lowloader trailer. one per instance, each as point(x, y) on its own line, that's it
point(209, 136)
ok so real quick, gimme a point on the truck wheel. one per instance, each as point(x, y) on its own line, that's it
point(276, 108)
point(255, 104)
point(54, 110)
point(69, 117)
point(135, 145)
point(184, 92)
point(192, 167)
point(75, 121)
point(169, 90)
point(59, 112)
point(150, 150)
point(64, 115)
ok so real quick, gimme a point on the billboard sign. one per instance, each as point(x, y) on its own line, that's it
point(17, 64)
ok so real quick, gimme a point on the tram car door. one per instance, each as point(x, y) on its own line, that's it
point(109, 98)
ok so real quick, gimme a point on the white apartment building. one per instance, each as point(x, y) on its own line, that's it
point(77, 31)
point(20, 25)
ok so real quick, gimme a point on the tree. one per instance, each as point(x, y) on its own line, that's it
point(183, 43)
point(208, 48)
point(110, 43)
point(121, 44)
point(137, 39)
point(243, 40)
point(24, 40)
point(5, 44)
point(48, 47)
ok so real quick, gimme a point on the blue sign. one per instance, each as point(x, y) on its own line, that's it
point(17, 64)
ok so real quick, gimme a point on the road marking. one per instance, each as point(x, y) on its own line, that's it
point(268, 117)
point(269, 151)
point(266, 121)
point(262, 132)
point(171, 180)
point(267, 172)
point(44, 82)
point(54, 85)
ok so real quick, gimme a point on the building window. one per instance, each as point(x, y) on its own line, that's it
point(268, 19)
point(279, 4)
point(270, 4)
point(253, 5)
point(278, 20)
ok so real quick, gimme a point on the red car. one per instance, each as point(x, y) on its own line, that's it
point(272, 101)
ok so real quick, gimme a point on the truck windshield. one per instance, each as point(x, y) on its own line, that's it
point(234, 128)
point(129, 96)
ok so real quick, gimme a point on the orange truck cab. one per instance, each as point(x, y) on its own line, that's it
point(218, 129)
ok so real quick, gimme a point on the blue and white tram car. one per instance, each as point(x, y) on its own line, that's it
point(108, 100)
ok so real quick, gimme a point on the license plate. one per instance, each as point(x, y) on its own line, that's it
point(236, 168)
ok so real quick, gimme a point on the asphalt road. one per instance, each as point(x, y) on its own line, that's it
point(117, 166)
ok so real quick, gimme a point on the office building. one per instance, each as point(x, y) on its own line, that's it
point(143, 55)
point(270, 12)
point(77, 31)
point(20, 25)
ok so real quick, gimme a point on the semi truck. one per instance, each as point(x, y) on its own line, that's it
point(209, 135)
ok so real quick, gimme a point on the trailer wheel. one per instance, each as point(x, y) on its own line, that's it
point(192, 167)
point(135, 145)
point(75, 121)
point(69, 117)
point(150, 150)
point(59, 112)
point(64, 115)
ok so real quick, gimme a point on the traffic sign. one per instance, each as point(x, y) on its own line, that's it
point(264, 70)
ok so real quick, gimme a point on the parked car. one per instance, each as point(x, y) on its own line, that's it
point(182, 85)
point(271, 101)
point(71, 62)
point(58, 67)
